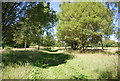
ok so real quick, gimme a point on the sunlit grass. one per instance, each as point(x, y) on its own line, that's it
point(17, 72)
point(104, 48)
point(45, 65)
point(90, 66)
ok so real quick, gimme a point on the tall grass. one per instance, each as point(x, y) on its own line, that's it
point(16, 72)
point(45, 65)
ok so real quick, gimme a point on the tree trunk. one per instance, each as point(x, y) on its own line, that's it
point(102, 46)
point(72, 45)
point(38, 45)
point(83, 49)
point(25, 44)
point(80, 48)
point(2, 46)
point(102, 42)
point(65, 46)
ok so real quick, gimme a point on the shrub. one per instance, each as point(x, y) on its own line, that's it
point(81, 76)
point(108, 43)
point(105, 75)
point(51, 50)
point(117, 52)
point(8, 48)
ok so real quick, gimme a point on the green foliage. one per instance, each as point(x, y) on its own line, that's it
point(117, 33)
point(25, 23)
point(8, 48)
point(108, 43)
point(84, 22)
point(23, 33)
point(42, 19)
point(11, 15)
point(51, 50)
point(41, 15)
point(117, 52)
point(116, 44)
point(48, 41)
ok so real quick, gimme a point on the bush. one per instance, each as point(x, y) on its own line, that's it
point(117, 52)
point(116, 44)
point(51, 50)
point(8, 48)
point(81, 76)
point(108, 43)
point(106, 75)
point(47, 49)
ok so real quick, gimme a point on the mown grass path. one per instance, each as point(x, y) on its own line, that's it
point(83, 67)
point(45, 65)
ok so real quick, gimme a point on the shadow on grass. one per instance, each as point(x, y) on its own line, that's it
point(107, 75)
point(103, 51)
point(80, 77)
point(117, 52)
point(50, 50)
point(35, 58)
point(86, 51)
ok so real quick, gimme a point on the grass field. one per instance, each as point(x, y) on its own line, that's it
point(55, 65)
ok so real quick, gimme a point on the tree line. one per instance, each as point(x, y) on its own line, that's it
point(25, 23)
point(79, 25)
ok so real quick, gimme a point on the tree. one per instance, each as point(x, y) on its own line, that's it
point(48, 41)
point(25, 22)
point(117, 33)
point(115, 6)
point(108, 43)
point(83, 22)
point(11, 15)
point(23, 32)
point(43, 18)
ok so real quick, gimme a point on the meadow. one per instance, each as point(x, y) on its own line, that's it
point(32, 64)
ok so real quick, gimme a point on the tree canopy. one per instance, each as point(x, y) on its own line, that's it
point(26, 22)
point(84, 22)
point(11, 15)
